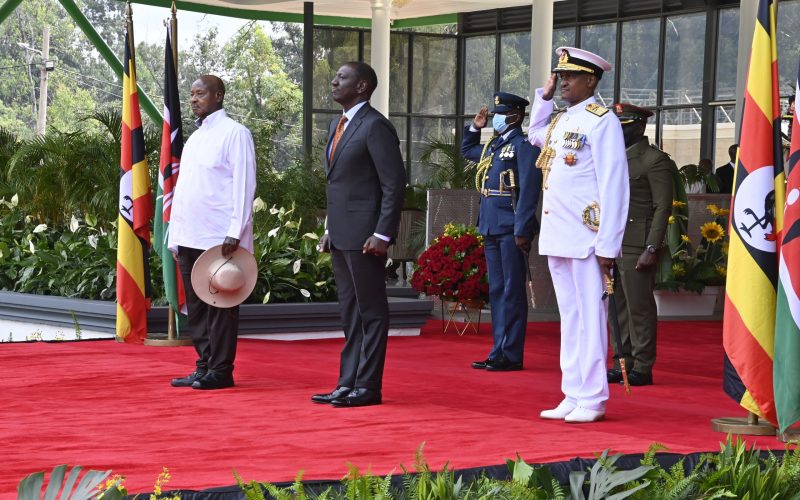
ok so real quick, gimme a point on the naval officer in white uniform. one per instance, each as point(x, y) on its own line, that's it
point(584, 209)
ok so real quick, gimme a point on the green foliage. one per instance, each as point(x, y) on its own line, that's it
point(443, 157)
point(290, 267)
point(30, 488)
point(606, 481)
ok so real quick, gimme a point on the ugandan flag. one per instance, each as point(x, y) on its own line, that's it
point(171, 150)
point(135, 214)
point(756, 216)
point(787, 316)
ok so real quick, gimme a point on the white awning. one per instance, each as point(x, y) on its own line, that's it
point(401, 9)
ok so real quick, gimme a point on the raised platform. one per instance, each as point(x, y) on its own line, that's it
point(97, 317)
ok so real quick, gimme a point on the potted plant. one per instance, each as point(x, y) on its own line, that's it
point(690, 274)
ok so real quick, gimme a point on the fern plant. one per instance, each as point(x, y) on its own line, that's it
point(608, 482)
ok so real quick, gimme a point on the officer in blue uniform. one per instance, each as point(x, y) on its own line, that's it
point(509, 185)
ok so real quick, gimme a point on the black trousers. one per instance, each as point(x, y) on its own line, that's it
point(361, 288)
point(213, 330)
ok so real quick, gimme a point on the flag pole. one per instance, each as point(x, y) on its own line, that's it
point(172, 340)
point(173, 26)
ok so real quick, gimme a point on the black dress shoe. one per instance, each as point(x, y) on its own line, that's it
point(481, 365)
point(213, 380)
point(614, 376)
point(360, 396)
point(638, 378)
point(339, 392)
point(188, 380)
point(503, 365)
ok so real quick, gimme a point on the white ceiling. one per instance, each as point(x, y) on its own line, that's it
point(401, 9)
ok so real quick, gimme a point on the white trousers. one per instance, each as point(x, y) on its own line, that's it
point(579, 289)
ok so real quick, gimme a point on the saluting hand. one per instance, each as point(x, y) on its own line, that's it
point(550, 87)
point(482, 118)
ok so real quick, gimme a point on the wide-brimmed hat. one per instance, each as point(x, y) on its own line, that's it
point(224, 281)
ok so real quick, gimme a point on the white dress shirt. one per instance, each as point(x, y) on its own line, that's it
point(214, 195)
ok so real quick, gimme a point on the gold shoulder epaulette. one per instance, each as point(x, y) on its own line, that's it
point(596, 109)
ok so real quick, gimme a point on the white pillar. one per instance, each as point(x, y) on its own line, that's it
point(748, 10)
point(381, 54)
point(541, 42)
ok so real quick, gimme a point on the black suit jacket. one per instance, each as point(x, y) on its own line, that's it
point(366, 180)
point(724, 176)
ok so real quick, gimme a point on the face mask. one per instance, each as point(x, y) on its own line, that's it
point(499, 123)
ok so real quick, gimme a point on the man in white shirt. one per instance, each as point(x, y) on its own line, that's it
point(212, 205)
point(584, 208)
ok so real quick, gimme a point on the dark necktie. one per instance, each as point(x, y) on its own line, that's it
point(337, 135)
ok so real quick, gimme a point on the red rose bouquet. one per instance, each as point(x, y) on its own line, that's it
point(453, 267)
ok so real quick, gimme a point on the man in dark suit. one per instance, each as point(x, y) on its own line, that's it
point(509, 185)
point(366, 184)
point(651, 173)
point(724, 173)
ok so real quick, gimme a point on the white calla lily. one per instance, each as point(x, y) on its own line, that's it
point(305, 293)
point(74, 224)
point(296, 266)
point(40, 228)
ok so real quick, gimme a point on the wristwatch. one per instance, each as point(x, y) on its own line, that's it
point(651, 249)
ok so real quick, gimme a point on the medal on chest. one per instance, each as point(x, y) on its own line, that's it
point(570, 158)
point(507, 152)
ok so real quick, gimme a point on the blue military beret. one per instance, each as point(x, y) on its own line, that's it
point(505, 102)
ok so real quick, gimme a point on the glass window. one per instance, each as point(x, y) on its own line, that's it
point(515, 63)
point(684, 54)
point(724, 133)
point(788, 45)
point(399, 123)
point(727, 52)
point(680, 134)
point(564, 37)
point(602, 40)
point(639, 75)
point(479, 72)
point(434, 75)
point(422, 130)
point(398, 92)
point(332, 48)
point(319, 136)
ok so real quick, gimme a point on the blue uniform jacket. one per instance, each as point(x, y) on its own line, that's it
point(496, 215)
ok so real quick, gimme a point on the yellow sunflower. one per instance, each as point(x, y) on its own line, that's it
point(678, 270)
point(678, 204)
point(722, 271)
point(723, 212)
point(685, 238)
point(671, 220)
point(712, 231)
point(713, 209)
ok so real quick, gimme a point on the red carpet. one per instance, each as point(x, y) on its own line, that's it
point(105, 405)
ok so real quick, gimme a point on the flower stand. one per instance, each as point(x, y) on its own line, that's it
point(471, 315)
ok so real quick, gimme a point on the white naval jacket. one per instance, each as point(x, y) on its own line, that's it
point(599, 173)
